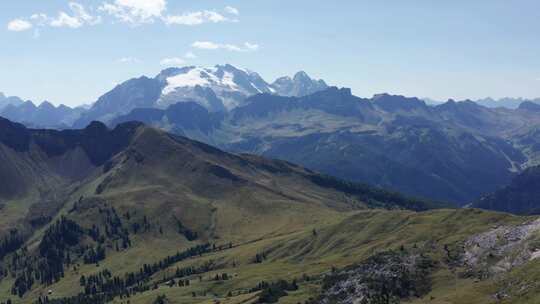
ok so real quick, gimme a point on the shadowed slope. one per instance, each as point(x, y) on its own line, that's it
point(522, 196)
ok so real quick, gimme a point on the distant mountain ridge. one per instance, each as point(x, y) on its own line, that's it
point(298, 86)
point(383, 140)
point(506, 102)
point(46, 115)
point(9, 100)
point(455, 151)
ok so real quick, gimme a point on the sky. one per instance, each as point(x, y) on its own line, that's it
point(72, 52)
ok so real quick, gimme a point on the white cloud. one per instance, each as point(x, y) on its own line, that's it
point(81, 13)
point(77, 19)
point(190, 55)
point(129, 60)
point(232, 10)
point(208, 45)
point(40, 19)
point(65, 20)
point(172, 61)
point(196, 18)
point(251, 46)
point(19, 25)
point(205, 45)
point(79, 16)
point(135, 11)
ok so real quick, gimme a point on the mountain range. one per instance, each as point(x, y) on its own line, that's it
point(9, 100)
point(210, 185)
point(45, 115)
point(455, 151)
point(218, 89)
point(507, 102)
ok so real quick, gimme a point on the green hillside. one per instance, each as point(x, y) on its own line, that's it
point(154, 218)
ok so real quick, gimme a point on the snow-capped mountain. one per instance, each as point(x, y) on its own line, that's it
point(223, 87)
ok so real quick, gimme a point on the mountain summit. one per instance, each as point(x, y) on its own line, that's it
point(46, 115)
point(9, 100)
point(300, 85)
point(225, 87)
point(221, 88)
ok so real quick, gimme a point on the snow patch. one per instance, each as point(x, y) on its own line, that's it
point(228, 80)
point(205, 77)
point(190, 79)
point(230, 85)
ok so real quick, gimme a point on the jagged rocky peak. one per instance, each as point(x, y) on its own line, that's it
point(46, 105)
point(225, 87)
point(453, 105)
point(301, 84)
point(28, 105)
point(9, 100)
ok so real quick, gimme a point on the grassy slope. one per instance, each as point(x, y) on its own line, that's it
point(339, 242)
point(267, 211)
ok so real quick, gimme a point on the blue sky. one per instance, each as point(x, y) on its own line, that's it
point(71, 52)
